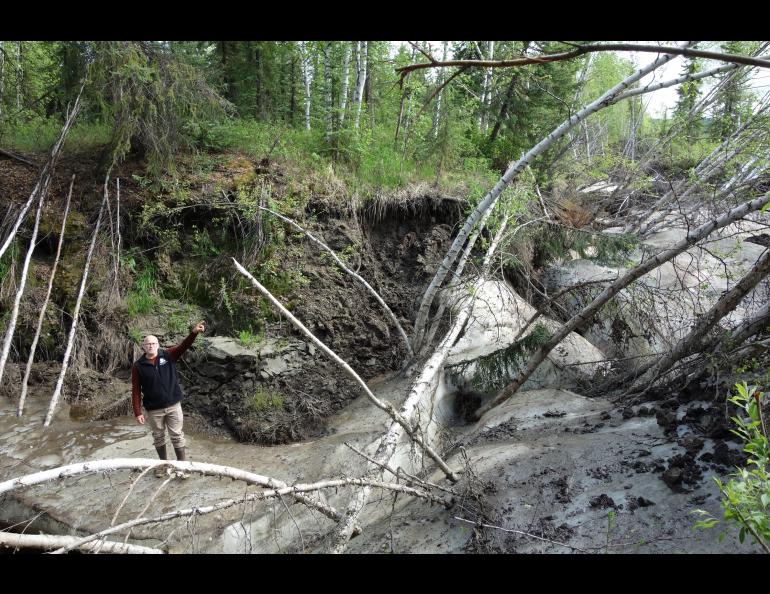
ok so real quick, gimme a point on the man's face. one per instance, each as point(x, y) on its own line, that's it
point(150, 346)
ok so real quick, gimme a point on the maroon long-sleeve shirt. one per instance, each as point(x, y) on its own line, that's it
point(174, 352)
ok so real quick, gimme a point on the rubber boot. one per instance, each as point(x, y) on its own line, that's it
point(160, 472)
point(181, 456)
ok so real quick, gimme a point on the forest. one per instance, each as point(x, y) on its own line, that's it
point(442, 296)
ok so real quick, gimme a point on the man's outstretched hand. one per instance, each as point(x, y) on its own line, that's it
point(198, 328)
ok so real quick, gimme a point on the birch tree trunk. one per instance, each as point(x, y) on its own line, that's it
point(20, 292)
point(579, 320)
point(382, 405)
point(425, 383)
point(362, 56)
point(19, 74)
point(490, 199)
point(44, 307)
point(52, 541)
point(437, 107)
point(344, 93)
point(329, 115)
point(75, 317)
point(486, 89)
point(724, 305)
point(307, 77)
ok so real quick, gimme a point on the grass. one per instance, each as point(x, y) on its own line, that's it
point(263, 400)
point(39, 134)
point(249, 338)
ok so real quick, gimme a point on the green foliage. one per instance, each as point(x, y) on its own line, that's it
point(142, 298)
point(746, 495)
point(250, 339)
point(555, 241)
point(493, 371)
point(264, 400)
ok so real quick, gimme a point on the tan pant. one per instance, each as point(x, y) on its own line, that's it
point(161, 418)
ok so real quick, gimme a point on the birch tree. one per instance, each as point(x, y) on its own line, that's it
point(345, 76)
point(75, 315)
point(306, 65)
point(360, 80)
point(44, 307)
point(607, 99)
point(22, 285)
point(583, 317)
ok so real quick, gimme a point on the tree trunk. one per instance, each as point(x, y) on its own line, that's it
point(490, 199)
point(329, 115)
point(307, 77)
point(75, 316)
point(361, 80)
point(44, 307)
point(345, 76)
point(52, 541)
point(724, 305)
point(22, 285)
point(582, 318)
point(437, 107)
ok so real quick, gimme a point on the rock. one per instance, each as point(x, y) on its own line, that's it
point(672, 477)
point(602, 501)
point(691, 443)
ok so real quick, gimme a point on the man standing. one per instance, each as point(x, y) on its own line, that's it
point(156, 386)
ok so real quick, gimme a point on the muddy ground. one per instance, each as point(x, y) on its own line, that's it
point(577, 475)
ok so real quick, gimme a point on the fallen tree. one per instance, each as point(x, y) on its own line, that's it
point(583, 317)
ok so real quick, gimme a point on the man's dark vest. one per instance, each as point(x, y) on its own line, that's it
point(160, 384)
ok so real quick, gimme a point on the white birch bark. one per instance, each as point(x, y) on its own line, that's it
point(359, 97)
point(99, 466)
point(486, 89)
point(276, 489)
point(345, 76)
point(44, 307)
point(329, 115)
point(75, 318)
point(580, 319)
point(425, 384)
point(307, 78)
point(53, 541)
point(490, 199)
point(382, 405)
point(20, 292)
point(437, 107)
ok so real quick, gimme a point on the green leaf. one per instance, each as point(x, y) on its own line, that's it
point(742, 534)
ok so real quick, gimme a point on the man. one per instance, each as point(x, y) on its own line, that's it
point(155, 385)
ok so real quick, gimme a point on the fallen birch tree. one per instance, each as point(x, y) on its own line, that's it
point(583, 317)
point(382, 405)
point(608, 98)
point(44, 307)
point(20, 291)
point(422, 387)
point(356, 276)
point(52, 541)
point(75, 317)
point(650, 372)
